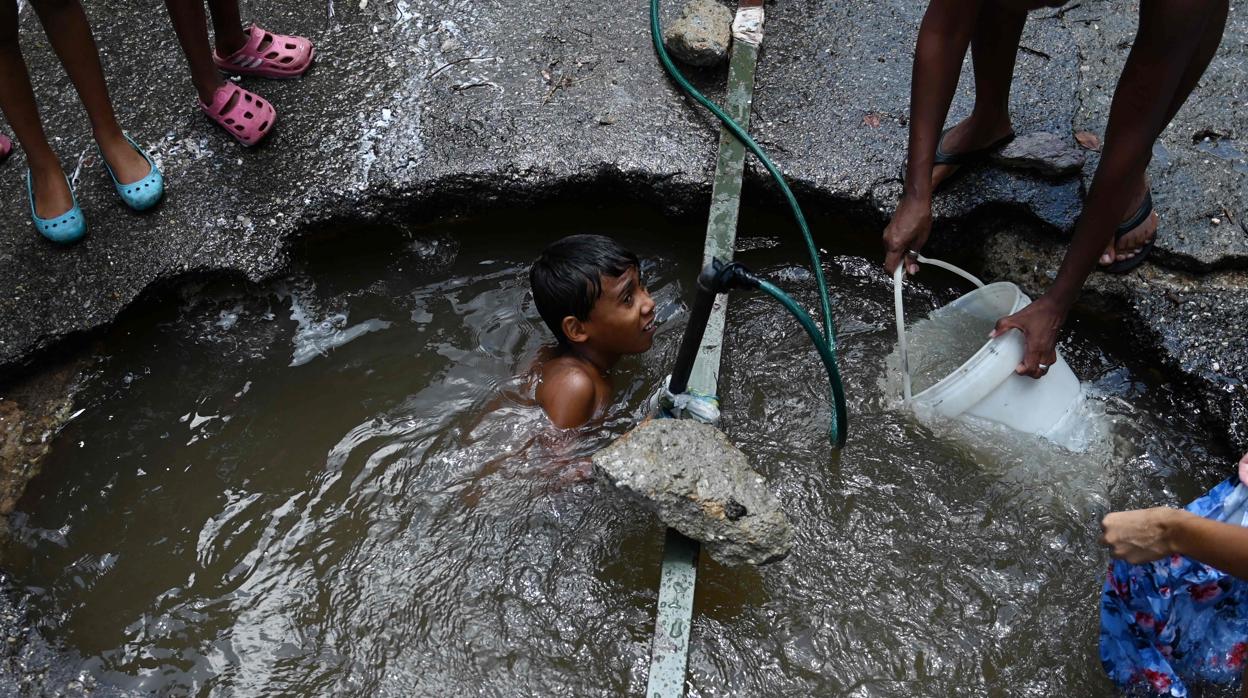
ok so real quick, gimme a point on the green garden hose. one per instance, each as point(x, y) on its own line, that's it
point(825, 343)
point(656, 31)
point(837, 431)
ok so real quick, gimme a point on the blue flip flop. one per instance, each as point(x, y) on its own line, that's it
point(146, 192)
point(65, 228)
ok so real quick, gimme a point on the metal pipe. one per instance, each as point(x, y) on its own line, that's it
point(703, 302)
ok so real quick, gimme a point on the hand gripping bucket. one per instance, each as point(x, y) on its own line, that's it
point(986, 385)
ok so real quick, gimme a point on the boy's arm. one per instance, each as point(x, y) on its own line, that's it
point(567, 397)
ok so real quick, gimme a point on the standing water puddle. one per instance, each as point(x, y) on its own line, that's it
point(334, 484)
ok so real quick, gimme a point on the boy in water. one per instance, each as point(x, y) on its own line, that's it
point(588, 289)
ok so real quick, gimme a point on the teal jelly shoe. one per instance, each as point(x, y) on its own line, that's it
point(143, 194)
point(65, 228)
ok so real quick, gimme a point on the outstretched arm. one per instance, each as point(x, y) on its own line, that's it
point(1145, 535)
point(944, 37)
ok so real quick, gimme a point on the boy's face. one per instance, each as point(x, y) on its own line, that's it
point(622, 319)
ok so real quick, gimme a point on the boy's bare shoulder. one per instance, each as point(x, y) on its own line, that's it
point(567, 391)
point(566, 371)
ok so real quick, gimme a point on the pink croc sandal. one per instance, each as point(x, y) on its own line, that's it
point(269, 55)
point(247, 117)
point(6, 147)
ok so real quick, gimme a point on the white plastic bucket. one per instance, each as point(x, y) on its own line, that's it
point(986, 385)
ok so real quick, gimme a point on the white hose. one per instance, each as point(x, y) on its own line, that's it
point(899, 310)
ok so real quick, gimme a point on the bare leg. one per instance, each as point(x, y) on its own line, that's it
point(191, 26)
point(1171, 50)
point(17, 100)
point(998, 30)
point(227, 26)
point(66, 25)
point(1205, 51)
point(1131, 243)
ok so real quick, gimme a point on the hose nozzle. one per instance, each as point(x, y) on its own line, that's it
point(722, 277)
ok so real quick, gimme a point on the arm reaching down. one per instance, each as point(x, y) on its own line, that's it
point(944, 37)
point(1145, 535)
point(1175, 42)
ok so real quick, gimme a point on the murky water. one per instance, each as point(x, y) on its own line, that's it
point(335, 485)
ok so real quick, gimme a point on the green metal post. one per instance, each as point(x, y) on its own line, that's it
point(669, 649)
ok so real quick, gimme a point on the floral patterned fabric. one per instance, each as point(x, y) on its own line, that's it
point(1176, 621)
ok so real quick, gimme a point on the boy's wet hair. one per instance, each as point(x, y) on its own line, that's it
point(567, 278)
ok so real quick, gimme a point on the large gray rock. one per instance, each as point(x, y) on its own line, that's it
point(702, 486)
point(701, 35)
point(1044, 152)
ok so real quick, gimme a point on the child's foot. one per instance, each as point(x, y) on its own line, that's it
point(51, 191)
point(127, 164)
point(231, 42)
point(970, 136)
point(266, 55)
point(208, 91)
point(143, 193)
point(6, 147)
point(53, 211)
point(243, 114)
point(1133, 243)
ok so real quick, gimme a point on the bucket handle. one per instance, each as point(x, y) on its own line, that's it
point(899, 310)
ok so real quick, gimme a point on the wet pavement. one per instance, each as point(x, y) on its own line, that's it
point(416, 108)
